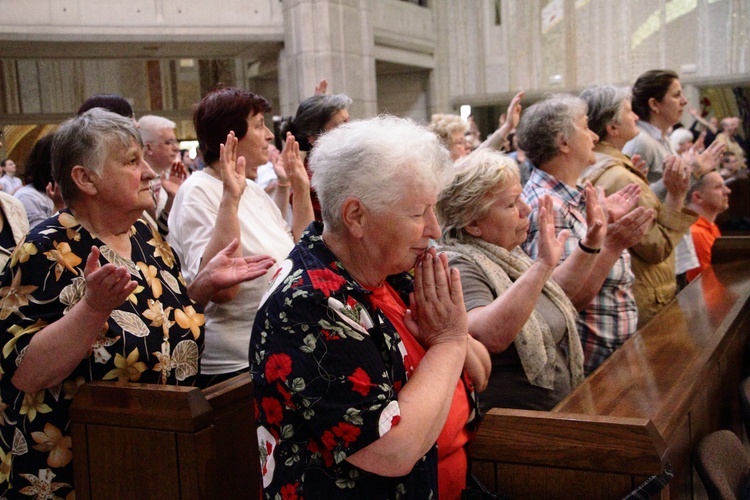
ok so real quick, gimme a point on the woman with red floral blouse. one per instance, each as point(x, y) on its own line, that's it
point(359, 369)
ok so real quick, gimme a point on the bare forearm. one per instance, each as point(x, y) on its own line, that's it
point(227, 228)
point(511, 310)
point(281, 199)
point(478, 364)
point(302, 212)
point(591, 286)
point(572, 273)
point(54, 352)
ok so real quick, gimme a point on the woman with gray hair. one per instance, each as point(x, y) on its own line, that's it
point(94, 294)
point(558, 141)
point(358, 368)
point(515, 308)
point(652, 259)
point(315, 115)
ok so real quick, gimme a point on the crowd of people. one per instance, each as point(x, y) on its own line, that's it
point(384, 283)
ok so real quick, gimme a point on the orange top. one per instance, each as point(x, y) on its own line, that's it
point(452, 457)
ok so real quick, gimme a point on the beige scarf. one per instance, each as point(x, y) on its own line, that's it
point(534, 343)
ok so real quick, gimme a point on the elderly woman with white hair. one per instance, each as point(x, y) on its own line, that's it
point(652, 259)
point(515, 307)
point(94, 293)
point(558, 141)
point(358, 368)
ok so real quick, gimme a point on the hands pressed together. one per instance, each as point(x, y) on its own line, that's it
point(437, 313)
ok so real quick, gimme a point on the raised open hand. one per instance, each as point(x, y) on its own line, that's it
point(629, 229)
point(106, 286)
point(514, 110)
point(623, 201)
point(293, 165)
point(232, 167)
point(224, 271)
point(550, 246)
point(596, 218)
point(322, 87)
point(173, 178)
point(709, 159)
point(676, 178)
point(639, 164)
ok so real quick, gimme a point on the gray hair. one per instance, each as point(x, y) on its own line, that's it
point(604, 106)
point(469, 196)
point(150, 125)
point(87, 140)
point(378, 161)
point(312, 116)
point(544, 123)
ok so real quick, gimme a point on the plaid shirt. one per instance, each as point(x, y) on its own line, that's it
point(612, 316)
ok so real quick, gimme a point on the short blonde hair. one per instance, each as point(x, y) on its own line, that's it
point(468, 197)
point(444, 125)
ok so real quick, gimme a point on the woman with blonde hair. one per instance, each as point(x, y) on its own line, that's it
point(515, 308)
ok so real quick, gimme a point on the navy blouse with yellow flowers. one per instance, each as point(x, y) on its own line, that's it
point(155, 336)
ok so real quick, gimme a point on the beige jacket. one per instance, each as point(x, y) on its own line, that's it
point(653, 258)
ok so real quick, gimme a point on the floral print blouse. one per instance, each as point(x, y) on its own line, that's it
point(155, 336)
point(327, 367)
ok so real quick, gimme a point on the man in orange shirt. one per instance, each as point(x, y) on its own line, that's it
point(708, 197)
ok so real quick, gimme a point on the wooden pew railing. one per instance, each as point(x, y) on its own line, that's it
point(150, 441)
point(675, 381)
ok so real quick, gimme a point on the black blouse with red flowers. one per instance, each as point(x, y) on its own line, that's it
point(327, 366)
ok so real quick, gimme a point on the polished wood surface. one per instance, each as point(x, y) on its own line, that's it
point(730, 249)
point(148, 441)
point(672, 383)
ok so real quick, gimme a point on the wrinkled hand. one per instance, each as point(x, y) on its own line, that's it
point(232, 168)
point(173, 178)
point(322, 87)
point(629, 229)
point(294, 167)
point(623, 201)
point(224, 271)
point(676, 177)
point(107, 287)
point(596, 217)
point(437, 313)
point(550, 247)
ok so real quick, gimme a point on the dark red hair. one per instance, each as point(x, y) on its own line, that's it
point(222, 111)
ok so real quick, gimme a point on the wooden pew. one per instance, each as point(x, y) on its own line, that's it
point(150, 441)
point(730, 249)
point(674, 382)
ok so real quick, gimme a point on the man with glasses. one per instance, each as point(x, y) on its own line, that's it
point(161, 149)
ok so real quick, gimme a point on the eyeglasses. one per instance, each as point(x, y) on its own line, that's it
point(170, 142)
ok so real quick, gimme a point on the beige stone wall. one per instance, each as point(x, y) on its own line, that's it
point(556, 45)
point(54, 54)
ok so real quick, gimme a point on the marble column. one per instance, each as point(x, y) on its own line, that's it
point(331, 39)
